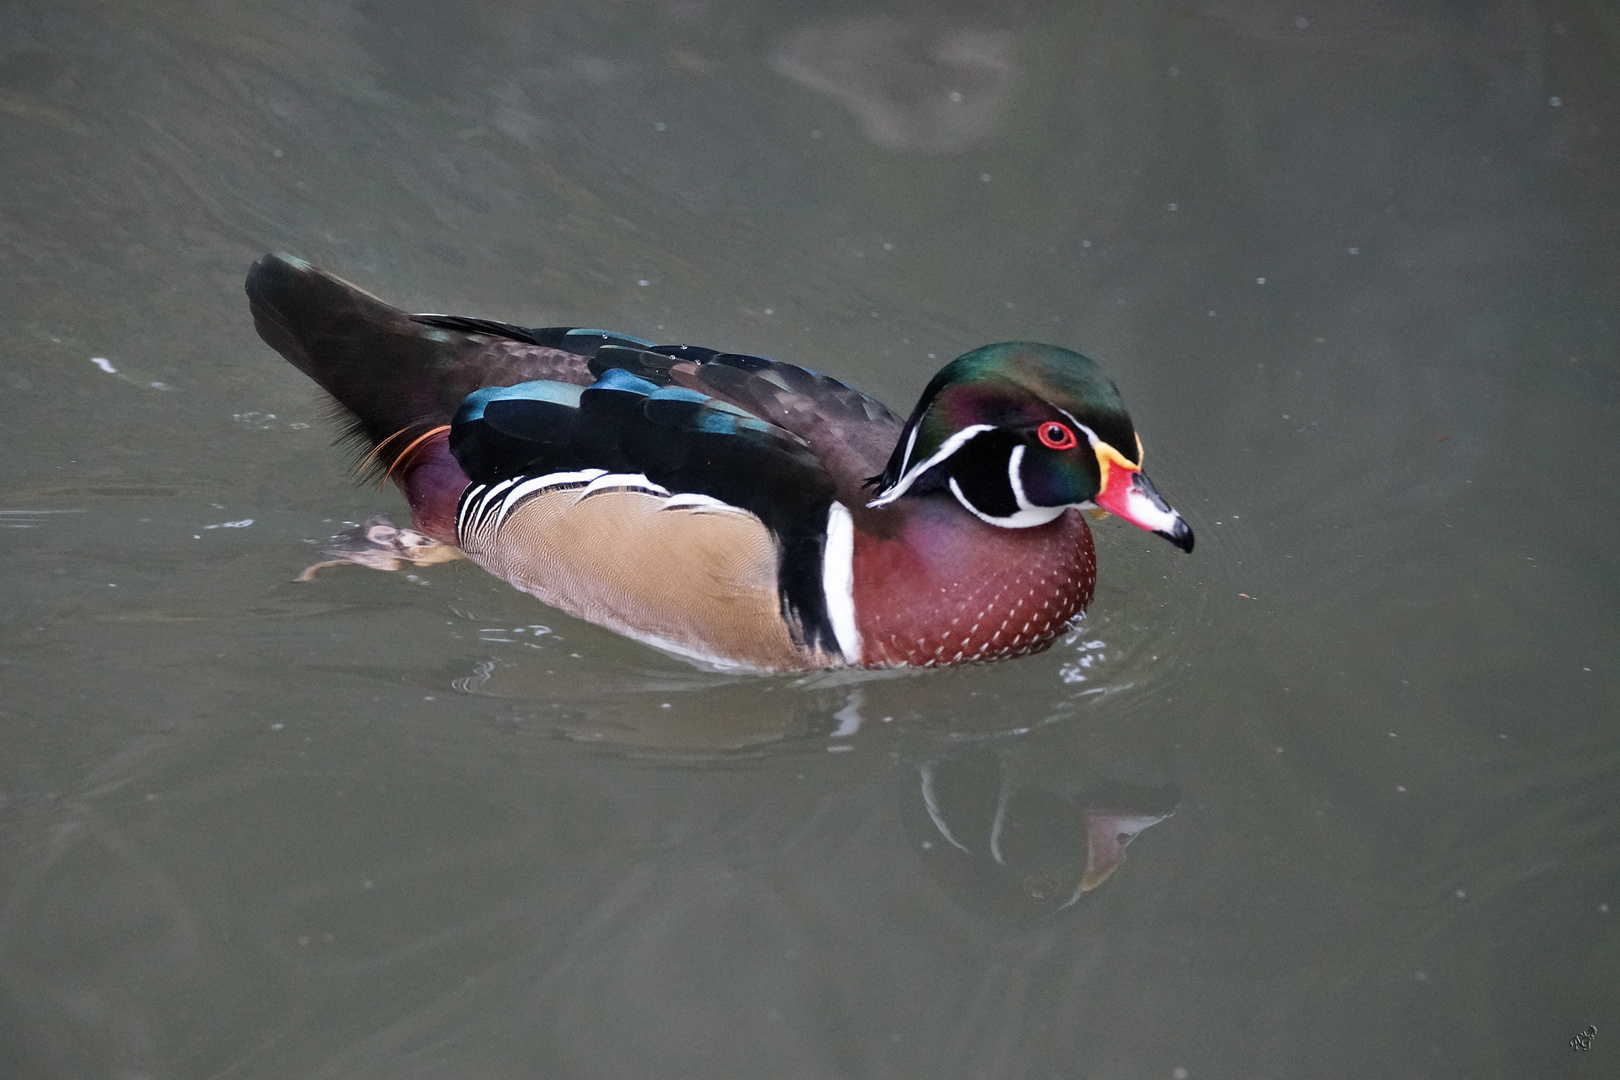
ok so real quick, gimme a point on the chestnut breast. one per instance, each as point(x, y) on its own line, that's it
point(944, 587)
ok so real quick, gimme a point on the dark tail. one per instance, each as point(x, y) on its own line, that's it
point(396, 377)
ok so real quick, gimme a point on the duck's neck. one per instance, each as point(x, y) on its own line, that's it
point(939, 586)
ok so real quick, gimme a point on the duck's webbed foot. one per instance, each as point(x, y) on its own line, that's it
point(381, 545)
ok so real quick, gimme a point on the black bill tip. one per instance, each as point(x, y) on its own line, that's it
point(1180, 534)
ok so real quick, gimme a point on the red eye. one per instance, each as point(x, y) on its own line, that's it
point(1056, 436)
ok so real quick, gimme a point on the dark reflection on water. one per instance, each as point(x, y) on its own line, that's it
point(1354, 268)
point(1020, 851)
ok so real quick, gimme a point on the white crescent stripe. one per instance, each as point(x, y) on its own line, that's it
point(1015, 481)
point(606, 481)
point(540, 483)
point(1023, 519)
point(469, 499)
point(838, 581)
point(946, 449)
point(486, 502)
point(692, 501)
point(911, 444)
point(1091, 436)
point(480, 502)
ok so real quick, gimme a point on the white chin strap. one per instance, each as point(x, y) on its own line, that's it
point(1028, 515)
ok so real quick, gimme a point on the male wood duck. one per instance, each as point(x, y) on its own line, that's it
point(730, 509)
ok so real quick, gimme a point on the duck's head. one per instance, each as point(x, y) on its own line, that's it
point(1020, 432)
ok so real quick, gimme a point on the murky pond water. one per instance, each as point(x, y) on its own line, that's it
point(1354, 267)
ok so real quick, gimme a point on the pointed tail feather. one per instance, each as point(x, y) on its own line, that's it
point(396, 377)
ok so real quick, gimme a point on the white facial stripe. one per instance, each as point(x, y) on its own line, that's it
point(1022, 519)
point(1028, 515)
point(911, 444)
point(838, 581)
point(947, 448)
point(1015, 461)
point(1091, 436)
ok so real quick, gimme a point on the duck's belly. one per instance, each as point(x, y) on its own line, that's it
point(946, 591)
point(700, 583)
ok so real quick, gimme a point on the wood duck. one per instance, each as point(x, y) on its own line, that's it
point(730, 509)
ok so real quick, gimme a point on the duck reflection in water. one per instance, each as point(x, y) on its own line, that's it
point(1022, 851)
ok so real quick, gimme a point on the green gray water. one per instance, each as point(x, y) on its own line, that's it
point(1355, 267)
